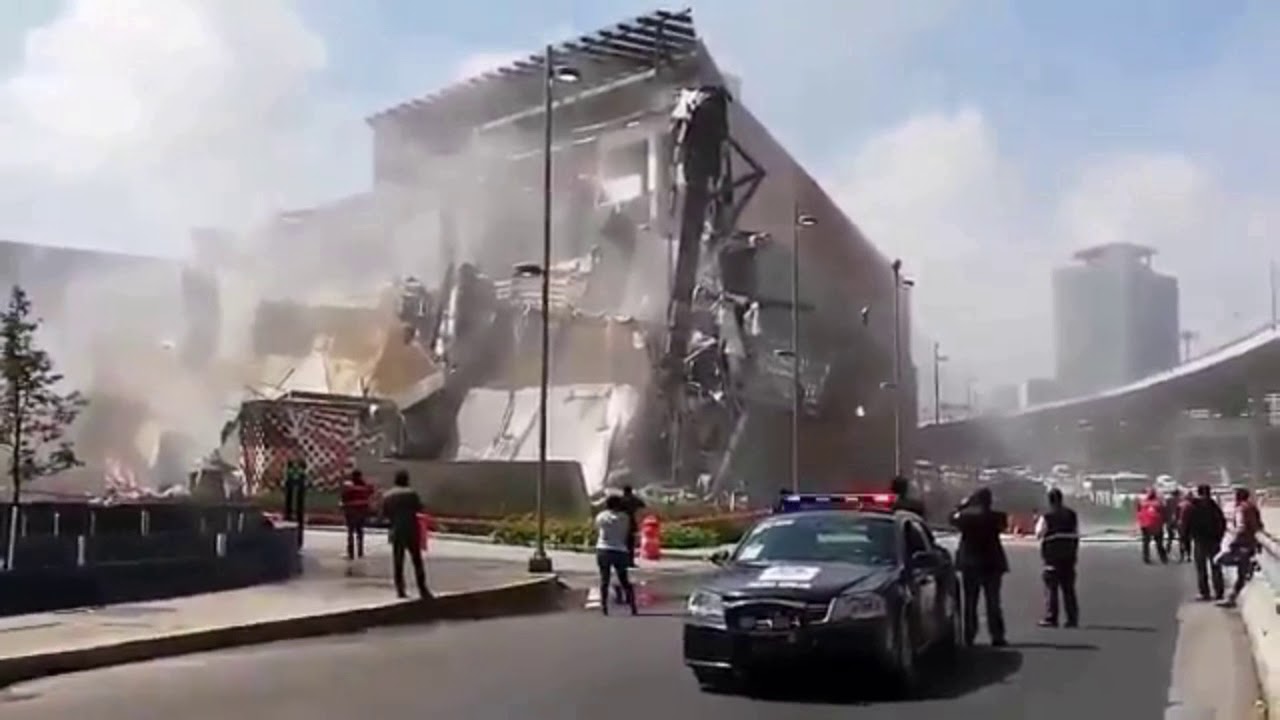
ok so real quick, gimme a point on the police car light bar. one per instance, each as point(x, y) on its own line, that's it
point(799, 502)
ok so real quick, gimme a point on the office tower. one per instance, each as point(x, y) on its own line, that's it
point(1115, 319)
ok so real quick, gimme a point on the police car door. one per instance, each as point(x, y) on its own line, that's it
point(924, 582)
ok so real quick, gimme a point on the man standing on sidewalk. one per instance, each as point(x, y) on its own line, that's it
point(357, 498)
point(1059, 533)
point(401, 506)
point(1205, 525)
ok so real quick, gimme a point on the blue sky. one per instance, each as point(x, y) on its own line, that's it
point(981, 140)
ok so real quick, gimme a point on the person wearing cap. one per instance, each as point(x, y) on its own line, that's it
point(1058, 531)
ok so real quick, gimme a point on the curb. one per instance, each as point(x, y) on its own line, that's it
point(525, 597)
point(1261, 616)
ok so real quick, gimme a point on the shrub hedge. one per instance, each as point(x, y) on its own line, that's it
point(523, 531)
point(683, 525)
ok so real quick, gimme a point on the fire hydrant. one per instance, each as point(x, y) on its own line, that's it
point(650, 538)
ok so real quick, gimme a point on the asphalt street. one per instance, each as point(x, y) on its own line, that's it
point(581, 665)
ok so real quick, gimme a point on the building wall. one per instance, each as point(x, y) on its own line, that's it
point(841, 271)
point(1113, 324)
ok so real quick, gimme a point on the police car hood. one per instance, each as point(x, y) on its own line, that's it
point(806, 581)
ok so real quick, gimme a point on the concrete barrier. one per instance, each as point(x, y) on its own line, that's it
point(526, 597)
point(1260, 609)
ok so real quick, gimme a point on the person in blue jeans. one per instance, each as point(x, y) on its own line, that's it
point(613, 556)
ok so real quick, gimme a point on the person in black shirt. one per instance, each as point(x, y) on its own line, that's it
point(401, 506)
point(631, 507)
point(902, 498)
point(1205, 525)
point(982, 563)
point(1059, 533)
point(781, 503)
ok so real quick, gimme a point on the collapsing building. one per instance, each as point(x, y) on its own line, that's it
point(673, 224)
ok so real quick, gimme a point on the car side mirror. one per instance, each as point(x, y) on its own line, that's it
point(926, 560)
point(719, 558)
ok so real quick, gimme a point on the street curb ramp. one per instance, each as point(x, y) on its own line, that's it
point(526, 597)
point(1260, 611)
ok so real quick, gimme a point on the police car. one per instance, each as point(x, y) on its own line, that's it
point(845, 581)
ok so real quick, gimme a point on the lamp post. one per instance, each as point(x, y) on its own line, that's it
point(540, 562)
point(798, 221)
point(938, 359)
point(899, 282)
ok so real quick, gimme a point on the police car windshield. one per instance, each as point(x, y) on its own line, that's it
point(826, 537)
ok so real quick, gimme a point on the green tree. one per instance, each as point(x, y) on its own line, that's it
point(35, 412)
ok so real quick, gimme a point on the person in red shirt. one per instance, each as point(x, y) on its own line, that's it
point(357, 503)
point(1151, 522)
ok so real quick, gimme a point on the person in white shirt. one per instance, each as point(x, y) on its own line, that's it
point(612, 553)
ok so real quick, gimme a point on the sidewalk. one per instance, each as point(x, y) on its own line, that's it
point(324, 601)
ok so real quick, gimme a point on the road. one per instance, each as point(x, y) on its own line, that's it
point(582, 665)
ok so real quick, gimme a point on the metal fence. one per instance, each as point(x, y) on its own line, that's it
point(79, 535)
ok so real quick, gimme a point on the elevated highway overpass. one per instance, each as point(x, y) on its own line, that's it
point(1218, 411)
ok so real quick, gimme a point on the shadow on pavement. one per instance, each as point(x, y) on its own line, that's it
point(1121, 628)
point(973, 670)
point(1055, 646)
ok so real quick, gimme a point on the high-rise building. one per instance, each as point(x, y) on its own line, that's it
point(1115, 318)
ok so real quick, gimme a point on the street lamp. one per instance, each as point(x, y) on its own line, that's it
point(799, 221)
point(899, 282)
point(938, 359)
point(540, 562)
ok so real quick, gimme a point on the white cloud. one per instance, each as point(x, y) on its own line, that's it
point(190, 111)
point(939, 191)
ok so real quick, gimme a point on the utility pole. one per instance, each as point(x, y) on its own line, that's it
point(899, 283)
point(798, 221)
point(1188, 336)
point(795, 340)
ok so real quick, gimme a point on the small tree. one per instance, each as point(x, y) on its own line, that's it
point(34, 412)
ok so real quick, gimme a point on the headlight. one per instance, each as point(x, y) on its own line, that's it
point(706, 608)
point(857, 606)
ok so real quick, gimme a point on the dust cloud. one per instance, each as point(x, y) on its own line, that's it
point(124, 134)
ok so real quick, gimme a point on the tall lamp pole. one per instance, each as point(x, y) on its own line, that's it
point(899, 282)
point(938, 359)
point(540, 562)
point(798, 221)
